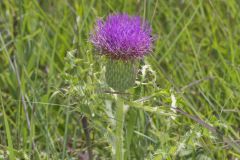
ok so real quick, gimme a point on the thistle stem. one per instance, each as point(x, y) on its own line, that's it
point(119, 129)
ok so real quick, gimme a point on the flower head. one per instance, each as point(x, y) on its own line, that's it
point(122, 37)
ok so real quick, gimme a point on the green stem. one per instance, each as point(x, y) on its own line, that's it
point(119, 129)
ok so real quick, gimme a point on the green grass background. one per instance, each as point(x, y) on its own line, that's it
point(51, 77)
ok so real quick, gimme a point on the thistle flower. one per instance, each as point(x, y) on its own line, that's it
point(122, 37)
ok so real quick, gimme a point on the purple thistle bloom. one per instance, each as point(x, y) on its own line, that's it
point(122, 37)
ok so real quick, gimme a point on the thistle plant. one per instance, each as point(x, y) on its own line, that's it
point(124, 40)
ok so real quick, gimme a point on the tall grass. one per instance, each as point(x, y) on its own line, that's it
point(51, 77)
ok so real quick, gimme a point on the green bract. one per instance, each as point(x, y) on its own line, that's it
point(120, 75)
